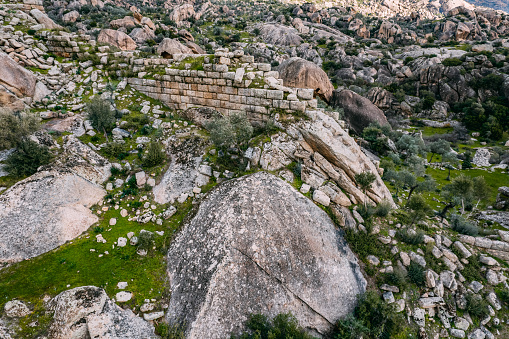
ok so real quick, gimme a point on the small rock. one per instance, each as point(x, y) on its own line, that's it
point(122, 285)
point(16, 309)
point(121, 242)
point(123, 297)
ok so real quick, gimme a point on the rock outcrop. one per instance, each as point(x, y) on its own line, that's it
point(87, 312)
point(359, 111)
point(51, 207)
point(44, 20)
point(300, 73)
point(15, 78)
point(116, 38)
point(169, 47)
point(280, 35)
point(258, 244)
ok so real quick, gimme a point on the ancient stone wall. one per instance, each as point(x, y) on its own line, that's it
point(229, 84)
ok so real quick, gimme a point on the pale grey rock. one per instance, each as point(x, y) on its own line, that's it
point(419, 317)
point(87, 312)
point(182, 174)
point(321, 198)
point(289, 257)
point(341, 158)
point(16, 309)
point(43, 19)
point(170, 47)
point(461, 323)
point(482, 157)
point(477, 334)
point(53, 207)
point(456, 333)
point(123, 296)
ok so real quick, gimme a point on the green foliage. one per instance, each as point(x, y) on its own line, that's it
point(464, 191)
point(364, 180)
point(115, 150)
point(410, 237)
point(398, 277)
point(154, 156)
point(234, 130)
point(416, 274)
point(383, 208)
point(418, 207)
point(372, 318)
point(145, 240)
point(467, 161)
point(27, 157)
point(283, 326)
point(100, 114)
point(472, 270)
point(452, 62)
point(378, 142)
point(14, 127)
point(438, 147)
point(492, 82)
point(463, 226)
point(477, 306)
point(364, 244)
point(173, 331)
point(428, 99)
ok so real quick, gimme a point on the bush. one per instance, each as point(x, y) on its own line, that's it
point(383, 209)
point(115, 150)
point(416, 274)
point(398, 277)
point(463, 226)
point(234, 130)
point(100, 114)
point(410, 237)
point(472, 270)
point(14, 127)
point(145, 240)
point(372, 318)
point(452, 62)
point(283, 326)
point(27, 157)
point(477, 306)
point(174, 331)
point(155, 156)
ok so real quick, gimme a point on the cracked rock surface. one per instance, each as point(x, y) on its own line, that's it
point(258, 246)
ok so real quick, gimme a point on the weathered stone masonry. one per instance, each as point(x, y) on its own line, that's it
point(252, 88)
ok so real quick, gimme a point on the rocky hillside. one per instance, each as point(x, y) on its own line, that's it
point(495, 4)
point(254, 169)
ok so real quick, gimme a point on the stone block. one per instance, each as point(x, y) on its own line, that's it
point(298, 106)
point(305, 93)
point(275, 94)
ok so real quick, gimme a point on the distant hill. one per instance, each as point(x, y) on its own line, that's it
point(495, 4)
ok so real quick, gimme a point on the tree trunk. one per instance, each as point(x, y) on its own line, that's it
point(411, 191)
point(105, 135)
point(446, 208)
point(449, 175)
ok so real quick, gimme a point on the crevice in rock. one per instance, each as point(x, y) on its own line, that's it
point(284, 286)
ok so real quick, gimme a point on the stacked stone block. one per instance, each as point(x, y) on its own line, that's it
point(256, 92)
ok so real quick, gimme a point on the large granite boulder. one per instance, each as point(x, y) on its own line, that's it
point(16, 79)
point(87, 312)
point(256, 245)
point(359, 111)
point(140, 35)
point(44, 20)
point(126, 22)
point(300, 73)
point(51, 207)
point(182, 12)
point(184, 172)
point(169, 47)
point(116, 38)
point(280, 35)
point(338, 155)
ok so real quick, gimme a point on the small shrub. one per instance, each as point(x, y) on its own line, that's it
point(398, 277)
point(463, 226)
point(27, 157)
point(100, 114)
point(173, 331)
point(145, 240)
point(416, 274)
point(383, 209)
point(115, 150)
point(452, 62)
point(410, 237)
point(14, 127)
point(472, 270)
point(98, 229)
point(372, 318)
point(283, 326)
point(234, 130)
point(155, 155)
point(477, 306)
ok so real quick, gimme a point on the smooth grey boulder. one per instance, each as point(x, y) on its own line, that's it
point(359, 111)
point(256, 245)
point(300, 73)
point(87, 312)
point(51, 207)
